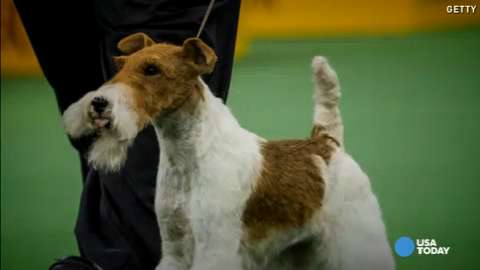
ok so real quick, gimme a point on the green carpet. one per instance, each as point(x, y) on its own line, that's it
point(411, 113)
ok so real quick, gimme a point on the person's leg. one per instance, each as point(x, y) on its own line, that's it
point(66, 42)
point(65, 39)
point(222, 31)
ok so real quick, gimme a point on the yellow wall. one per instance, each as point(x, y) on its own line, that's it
point(284, 19)
point(313, 18)
point(17, 56)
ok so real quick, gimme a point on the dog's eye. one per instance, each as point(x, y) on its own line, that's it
point(151, 70)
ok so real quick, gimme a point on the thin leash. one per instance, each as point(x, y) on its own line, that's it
point(205, 18)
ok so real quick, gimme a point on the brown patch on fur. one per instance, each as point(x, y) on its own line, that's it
point(290, 187)
point(162, 77)
point(320, 131)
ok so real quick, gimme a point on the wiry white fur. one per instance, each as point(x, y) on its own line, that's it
point(350, 221)
point(108, 153)
point(207, 170)
point(109, 150)
point(349, 226)
point(207, 166)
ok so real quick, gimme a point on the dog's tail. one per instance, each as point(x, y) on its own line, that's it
point(326, 117)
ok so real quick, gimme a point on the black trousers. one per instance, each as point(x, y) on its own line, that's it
point(74, 42)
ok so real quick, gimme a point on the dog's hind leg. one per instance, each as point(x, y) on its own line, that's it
point(299, 256)
point(327, 117)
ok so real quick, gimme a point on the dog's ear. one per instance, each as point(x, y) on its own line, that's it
point(119, 61)
point(134, 42)
point(201, 57)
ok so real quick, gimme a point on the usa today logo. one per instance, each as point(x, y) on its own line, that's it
point(405, 246)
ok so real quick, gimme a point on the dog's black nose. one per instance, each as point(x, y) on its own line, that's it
point(99, 104)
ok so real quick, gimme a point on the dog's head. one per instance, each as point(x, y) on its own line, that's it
point(153, 80)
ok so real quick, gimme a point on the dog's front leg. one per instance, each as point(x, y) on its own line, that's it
point(217, 247)
point(217, 258)
point(175, 227)
point(177, 242)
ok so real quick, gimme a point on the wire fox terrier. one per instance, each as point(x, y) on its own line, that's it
point(226, 198)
